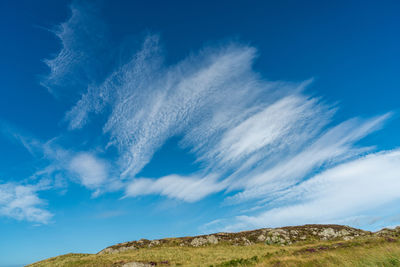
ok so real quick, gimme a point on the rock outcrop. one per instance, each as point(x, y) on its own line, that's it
point(270, 236)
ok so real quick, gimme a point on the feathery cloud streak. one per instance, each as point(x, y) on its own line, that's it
point(335, 195)
point(234, 121)
point(84, 52)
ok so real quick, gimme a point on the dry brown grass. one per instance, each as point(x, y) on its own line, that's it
point(371, 251)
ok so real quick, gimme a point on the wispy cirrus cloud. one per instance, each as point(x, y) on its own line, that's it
point(84, 52)
point(333, 146)
point(209, 98)
point(253, 136)
point(337, 195)
point(189, 189)
point(151, 102)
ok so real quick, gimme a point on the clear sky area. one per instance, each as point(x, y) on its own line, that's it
point(122, 120)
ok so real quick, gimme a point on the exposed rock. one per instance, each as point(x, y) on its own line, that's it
point(294, 232)
point(330, 233)
point(154, 243)
point(246, 242)
point(278, 237)
point(199, 241)
point(327, 233)
point(212, 239)
point(389, 232)
point(344, 232)
point(261, 238)
point(204, 240)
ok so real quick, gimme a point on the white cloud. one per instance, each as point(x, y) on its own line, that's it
point(214, 99)
point(273, 125)
point(22, 203)
point(254, 136)
point(91, 171)
point(335, 195)
point(188, 189)
point(281, 128)
point(82, 167)
point(333, 146)
point(153, 107)
point(62, 165)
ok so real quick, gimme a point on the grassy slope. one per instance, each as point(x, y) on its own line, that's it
point(367, 251)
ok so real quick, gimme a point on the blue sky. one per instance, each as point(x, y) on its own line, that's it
point(123, 120)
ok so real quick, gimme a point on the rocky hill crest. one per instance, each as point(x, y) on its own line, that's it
point(278, 236)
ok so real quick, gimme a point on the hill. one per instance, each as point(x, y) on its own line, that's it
point(308, 245)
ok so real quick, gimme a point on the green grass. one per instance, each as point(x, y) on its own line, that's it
point(368, 251)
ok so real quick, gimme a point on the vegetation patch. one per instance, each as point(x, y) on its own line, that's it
point(322, 246)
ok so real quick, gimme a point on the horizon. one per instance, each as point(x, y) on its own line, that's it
point(127, 120)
